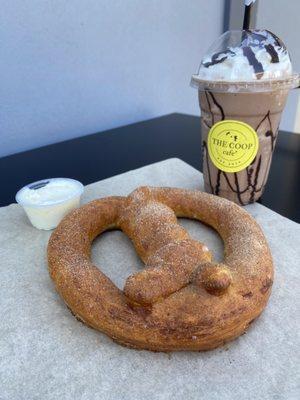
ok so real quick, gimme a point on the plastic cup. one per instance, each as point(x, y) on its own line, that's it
point(46, 202)
point(242, 94)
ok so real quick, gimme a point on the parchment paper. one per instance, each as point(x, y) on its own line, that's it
point(47, 354)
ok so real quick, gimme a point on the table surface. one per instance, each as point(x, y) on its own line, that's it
point(45, 353)
point(101, 155)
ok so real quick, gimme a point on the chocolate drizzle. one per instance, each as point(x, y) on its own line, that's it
point(214, 61)
point(209, 106)
point(217, 189)
point(205, 156)
point(269, 132)
point(273, 53)
point(218, 106)
point(250, 36)
point(278, 42)
point(257, 66)
point(238, 191)
point(215, 58)
point(253, 171)
point(254, 186)
point(249, 174)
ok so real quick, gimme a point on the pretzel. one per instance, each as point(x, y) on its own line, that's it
point(182, 300)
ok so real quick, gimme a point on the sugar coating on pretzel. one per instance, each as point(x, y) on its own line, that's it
point(182, 299)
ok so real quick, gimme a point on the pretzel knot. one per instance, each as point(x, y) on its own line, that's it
point(182, 300)
point(170, 255)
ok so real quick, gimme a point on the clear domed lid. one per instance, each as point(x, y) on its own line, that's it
point(243, 58)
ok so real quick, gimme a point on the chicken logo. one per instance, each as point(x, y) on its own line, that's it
point(232, 145)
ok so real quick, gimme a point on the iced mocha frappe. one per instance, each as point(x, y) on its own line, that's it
point(243, 84)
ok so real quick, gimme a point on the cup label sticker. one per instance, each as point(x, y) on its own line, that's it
point(232, 145)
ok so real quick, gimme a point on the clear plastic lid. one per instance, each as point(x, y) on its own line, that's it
point(250, 60)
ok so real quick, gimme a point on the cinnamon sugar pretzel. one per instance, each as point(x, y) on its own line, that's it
point(182, 300)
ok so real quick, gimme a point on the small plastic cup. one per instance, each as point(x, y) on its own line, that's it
point(46, 202)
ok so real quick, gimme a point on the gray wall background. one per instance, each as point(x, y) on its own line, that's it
point(72, 67)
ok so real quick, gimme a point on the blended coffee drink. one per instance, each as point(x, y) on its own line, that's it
point(243, 84)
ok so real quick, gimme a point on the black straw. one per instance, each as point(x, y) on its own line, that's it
point(247, 17)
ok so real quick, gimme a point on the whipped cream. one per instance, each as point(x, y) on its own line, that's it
point(258, 55)
point(237, 68)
